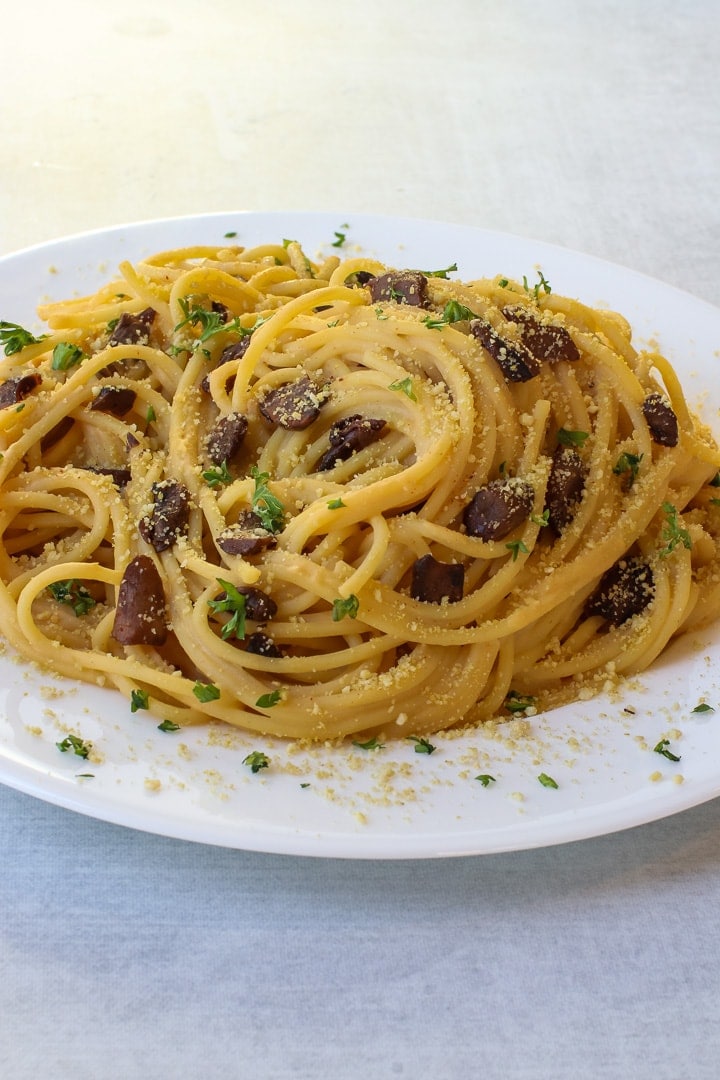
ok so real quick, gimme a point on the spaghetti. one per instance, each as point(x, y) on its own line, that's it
point(321, 498)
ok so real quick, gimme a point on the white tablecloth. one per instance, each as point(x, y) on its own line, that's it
point(594, 125)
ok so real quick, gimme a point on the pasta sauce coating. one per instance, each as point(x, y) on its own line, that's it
point(315, 499)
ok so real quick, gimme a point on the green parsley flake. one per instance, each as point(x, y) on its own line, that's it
point(257, 761)
point(371, 744)
point(516, 547)
point(485, 779)
point(662, 748)
point(547, 781)
point(422, 746)
point(14, 338)
point(139, 699)
point(65, 356)
point(233, 602)
point(268, 701)
point(218, 476)
point(76, 744)
point(168, 725)
point(72, 593)
point(335, 504)
point(348, 606)
point(572, 438)
point(206, 692)
point(673, 532)
point(266, 505)
point(405, 386)
point(703, 707)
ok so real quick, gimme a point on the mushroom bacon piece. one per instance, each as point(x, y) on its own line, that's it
point(625, 590)
point(403, 286)
point(15, 390)
point(55, 434)
point(565, 487)
point(661, 420)
point(347, 436)
point(120, 476)
point(498, 508)
point(140, 617)
point(293, 405)
point(258, 605)
point(226, 437)
point(133, 329)
point(168, 519)
point(235, 351)
point(434, 581)
point(262, 645)
point(247, 536)
point(116, 400)
point(515, 361)
point(545, 341)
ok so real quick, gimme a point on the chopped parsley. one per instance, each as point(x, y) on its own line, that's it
point(517, 703)
point(168, 725)
point(628, 466)
point(76, 744)
point(206, 691)
point(139, 699)
point(234, 602)
point(541, 519)
point(440, 273)
point(547, 781)
point(340, 237)
point(485, 779)
point(72, 593)
point(422, 746)
point(266, 505)
point(257, 761)
point(662, 748)
point(453, 312)
point(14, 338)
point(65, 356)
point(673, 532)
point(405, 386)
point(210, 322)
point(703, 707)
point(572, 438)
point(268, 701)
point(371, 744)
point(516, 546)
point(534, 290)
point(218, 476)
point(230, 235)
point(350, 605)
point(335, 504)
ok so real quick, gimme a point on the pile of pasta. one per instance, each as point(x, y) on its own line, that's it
point(320, 497)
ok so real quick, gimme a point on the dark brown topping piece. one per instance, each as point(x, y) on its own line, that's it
point(169, 516)
point(15, 390)
point(545, 341)
point(515, 361)
point(140, 614)
point(133, 329)
point(403, 286)
point(247, 536)
point(625, 590)
point(258, 605)
point(498, 508)
point(231, 352)
point(434, 581)
point(120, 477)
point(661, 420)
point(116, 400)
point(226, 437)
point(56, 433)
point(262, 645)
point(565, 488)
point(347, 436)
point(293, 405)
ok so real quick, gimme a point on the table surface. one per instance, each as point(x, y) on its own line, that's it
point(122, 954)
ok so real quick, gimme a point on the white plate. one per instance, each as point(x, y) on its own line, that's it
point(390, 803)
